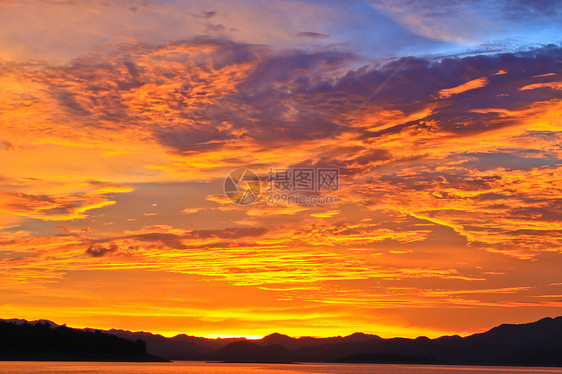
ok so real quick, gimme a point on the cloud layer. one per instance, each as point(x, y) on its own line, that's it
point(113, 164)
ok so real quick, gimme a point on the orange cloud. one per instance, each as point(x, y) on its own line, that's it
point(470, 85)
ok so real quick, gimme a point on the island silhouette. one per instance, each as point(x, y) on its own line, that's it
point(45, 341)
point(532, 344)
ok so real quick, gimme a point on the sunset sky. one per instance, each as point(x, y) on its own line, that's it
point(119, 121)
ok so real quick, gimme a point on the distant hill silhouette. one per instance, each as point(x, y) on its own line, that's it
point(533, 344)
point(247, 351)
point(538, 343)
point(46, 341)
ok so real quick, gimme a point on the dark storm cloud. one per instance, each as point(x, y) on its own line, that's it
point(510, 161)
point(529, 8)
point(98, 250)
point(193, 139)
point(174, 241)
point(312, 35)
point(459, 115)
point(6, 145)
point(68, 100)
point(234, 91)
point(205, 14)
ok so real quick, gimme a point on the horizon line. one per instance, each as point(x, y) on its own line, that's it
point(252, 337)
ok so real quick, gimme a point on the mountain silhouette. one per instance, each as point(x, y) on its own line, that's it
point(46, 341)
point(246, 351)
point(532, 344)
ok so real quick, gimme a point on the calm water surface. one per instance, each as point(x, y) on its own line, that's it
point(16, 367)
